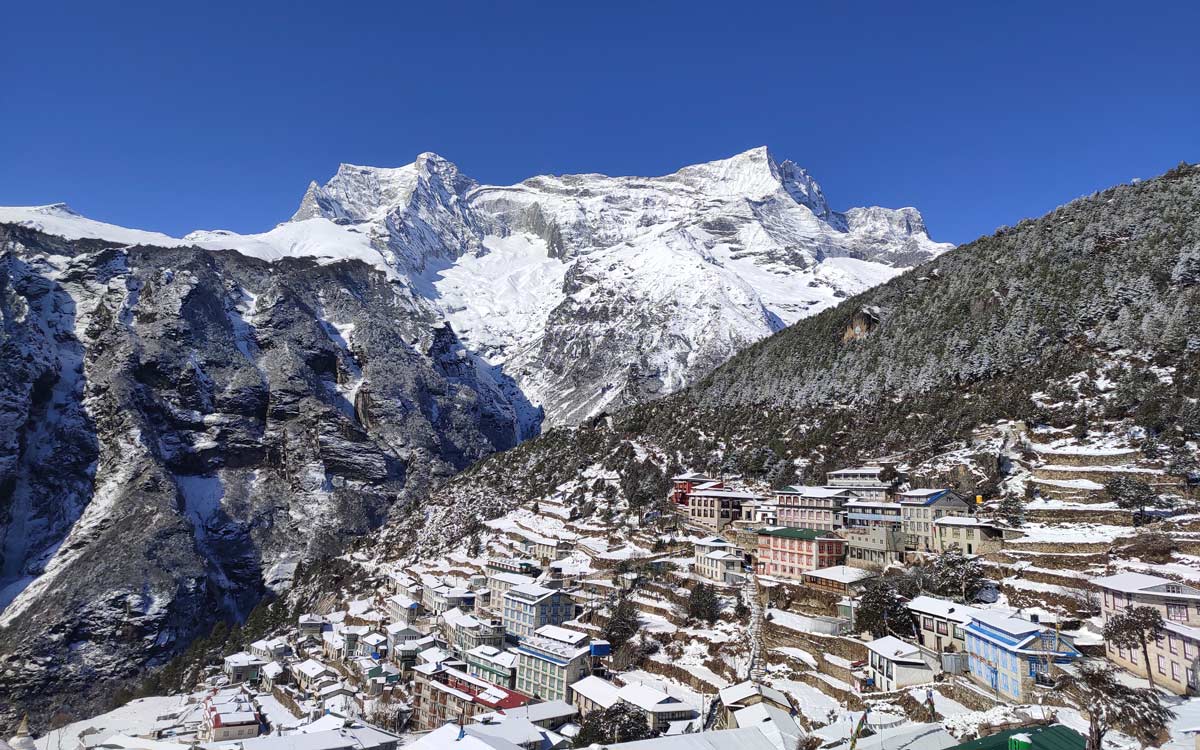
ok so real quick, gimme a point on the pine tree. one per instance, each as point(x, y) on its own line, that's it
point(881, 610)
point(1111, 704)
point(1010, 510)
point(1132, 494)
point(953, 574)
point(619, 723)
point(623, 624)
point(1134, 628)
point(703, 603)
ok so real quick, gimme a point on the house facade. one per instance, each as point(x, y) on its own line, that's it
point(550, 661)
point(1010, 656)
point(1175, 656)
point(873, 533)
point(974, 536)
point(790, 553)
point(443, 693)
point(530, 606)
point(920, 508)
point(893, 664)
point(805, 507)
point(867, 482)
point(717, 559)
point(716, 508)
point(493, 665)
point(683, 484)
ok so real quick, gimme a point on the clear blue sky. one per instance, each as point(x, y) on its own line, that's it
point(174, 116)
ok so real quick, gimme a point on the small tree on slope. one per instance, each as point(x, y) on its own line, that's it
point(623, 624)
point(619, 723)
point(955, 574)
point(1134, 628)
point(881, 610)
point(1111, 704)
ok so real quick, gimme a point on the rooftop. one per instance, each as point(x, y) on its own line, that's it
point(841, 574)
point(787, 532)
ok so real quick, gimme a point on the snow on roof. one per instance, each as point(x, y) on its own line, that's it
point(597, 690)
point(814, 491)
point(841, 574)
point(472, 739)
point(1003, 622)
point(931, 605)
point(514, 729)
point(893, 649)
point(726, 492)
point(566, 635)
point(494, 655)
point(744, 738)
point(743, 690)
point(243, 658)
point(312, 668)
point(402, 601)
point(1130, 582)
point(965, 521)
point(777, 724)
point(648, 698)
point(531, 591)
point(516, 579)
point(713, 541)
point(543, 711)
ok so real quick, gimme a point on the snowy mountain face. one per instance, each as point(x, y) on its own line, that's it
point(179, 427)
point(592, 292)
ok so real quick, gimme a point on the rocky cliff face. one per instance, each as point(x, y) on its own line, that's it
point(181, 426)
point(590, 292)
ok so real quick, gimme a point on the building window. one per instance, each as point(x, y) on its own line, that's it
point(1176, 611)
point(1162, 665)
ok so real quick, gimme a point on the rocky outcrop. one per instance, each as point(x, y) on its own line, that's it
point(176, 421)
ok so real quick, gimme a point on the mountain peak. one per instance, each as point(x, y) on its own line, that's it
point(358, 193)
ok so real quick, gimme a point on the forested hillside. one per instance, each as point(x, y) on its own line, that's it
point(1091, 312)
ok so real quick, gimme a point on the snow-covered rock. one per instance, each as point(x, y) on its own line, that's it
point(590, 292)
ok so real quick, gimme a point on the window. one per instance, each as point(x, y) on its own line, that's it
point(1162, 665)
point(1175, 672)
point(927, 623)
point(1177, 611)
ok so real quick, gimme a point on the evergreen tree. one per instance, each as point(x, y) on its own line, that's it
point(881, 610)
point(1010, 510)
point(703, 603)
point(623, 624)
point(953, 574)
point(1111, 704)
point(1134, 628)
point(1132, 494)
point(619, 723)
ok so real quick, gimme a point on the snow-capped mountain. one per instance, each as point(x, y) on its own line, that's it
point(590, 292)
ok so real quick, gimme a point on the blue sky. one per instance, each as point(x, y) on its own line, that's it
point(216, 115)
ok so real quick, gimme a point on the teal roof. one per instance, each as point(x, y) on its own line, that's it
point(1053, 737)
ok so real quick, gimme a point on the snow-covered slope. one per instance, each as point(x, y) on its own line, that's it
point(591, 292)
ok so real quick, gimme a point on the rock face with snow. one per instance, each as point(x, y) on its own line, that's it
point(180, 425)
point(594, 292)
point(591, 292)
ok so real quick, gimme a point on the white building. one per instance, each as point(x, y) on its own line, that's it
point(896, 664)
point(718, 559)
point(551, 660)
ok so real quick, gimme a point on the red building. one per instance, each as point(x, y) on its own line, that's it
point(442, 694)
point(685, 483)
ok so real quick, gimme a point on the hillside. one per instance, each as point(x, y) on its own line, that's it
point(1091, 312)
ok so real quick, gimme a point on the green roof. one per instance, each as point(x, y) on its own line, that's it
point(1053, 737)
point(790, 533)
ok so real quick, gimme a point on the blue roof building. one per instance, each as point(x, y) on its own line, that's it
point(1009, 656)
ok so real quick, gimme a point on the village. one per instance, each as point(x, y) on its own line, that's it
point(864, 612)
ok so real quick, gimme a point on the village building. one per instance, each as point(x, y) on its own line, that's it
point(551, 660)
point(443, 693)
point(893, 664)
point(973, 536)
point(941, 624)
point(716, 508)
point(493, 664)
point(373, 644)
point(761, 512)
point(789, 552)
point(465, 631)
point(718, 560)
point(525, 566)
point(310, 672)
point(839, 579)
point(744, 695)
point(227, 716)
point(920, 508)
point(310, 625)
point(1175, 656)
point(397, 634)
point(269, 649)
point(684, 484)
point(516, 732)
point(529, 606)
point(546, 714)
point(499, 583)
point(1010, 656)
point(402, 609)
point(805, 507)
point(872, 530)
point(659, 709)
point(867, 482)
point(438, 599)
point(243, 667)
point(273, 673)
